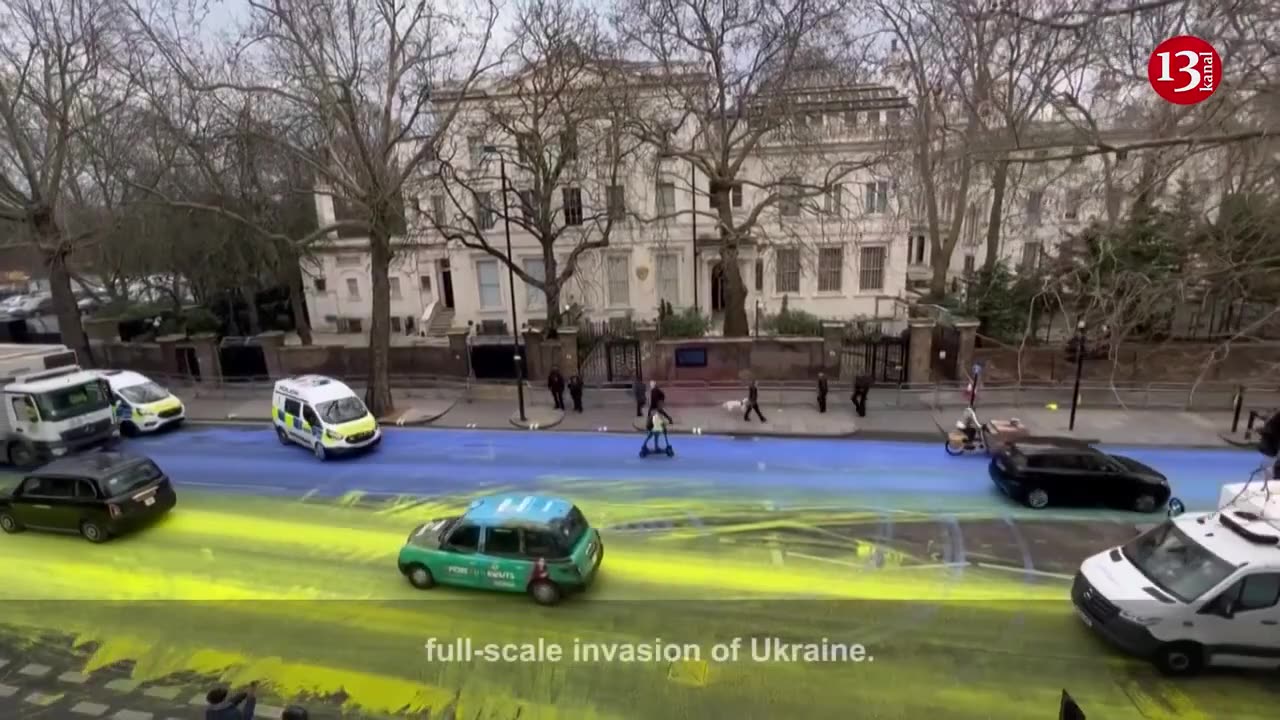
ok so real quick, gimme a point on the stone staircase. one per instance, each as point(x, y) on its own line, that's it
point(441, 323)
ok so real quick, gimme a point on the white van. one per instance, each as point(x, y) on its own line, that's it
point(142, 405)
point(323, 415)
point(1199, 589)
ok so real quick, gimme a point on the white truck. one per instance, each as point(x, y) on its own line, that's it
point(51, 406)
point(1199, 589)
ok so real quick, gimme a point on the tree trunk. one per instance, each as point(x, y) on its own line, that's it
point(298, 304)
point(378, 393)
point(64, 305)
point(735, 294)
point(552, 290)
point(250, 297)
point(999, 181)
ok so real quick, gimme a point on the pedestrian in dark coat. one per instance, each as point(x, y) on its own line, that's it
point(753, 402)
point(822, 392)
point(555, 383)
point(658, 400)
point(861, 386)
point(638, 391)
point(223, 706)
point(575, 392)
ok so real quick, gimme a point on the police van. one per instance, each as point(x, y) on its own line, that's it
point(323, 415)
point(1200, 589)
point(142, 405)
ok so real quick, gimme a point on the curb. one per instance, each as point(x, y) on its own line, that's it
point(526, 424)
point(640, 426)
point(425, 420)
point(1243, 444)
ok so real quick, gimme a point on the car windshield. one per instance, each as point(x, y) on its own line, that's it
point(72, 401)
point(336, 412)
point(143, 394)
point(131, 478)
point(569, 529)
point(1175, 563)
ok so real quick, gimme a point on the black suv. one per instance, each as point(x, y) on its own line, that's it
point(1044, 473)
point(97, 495)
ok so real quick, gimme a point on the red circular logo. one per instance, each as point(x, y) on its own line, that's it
point(1184, 70)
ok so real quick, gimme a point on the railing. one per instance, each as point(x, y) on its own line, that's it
point(1205, 397)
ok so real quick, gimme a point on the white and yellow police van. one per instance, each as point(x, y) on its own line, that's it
point(142, 405)
point(1198, 590)
point(323, 415)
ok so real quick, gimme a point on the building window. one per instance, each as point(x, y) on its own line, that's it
point(534, 297)
point(1122, 156)
point(475, 144)
point(876, 198)
point(395, 287)
point(850, 120)
point(830, 269)
point(834, 200)
point(1072, 209)
point(572, 198)
point(1035, 201)
point(424, 283)
point(348, 260)
point(970, 264)
point(619, 282)
point(438, 212)
point(489, 283)
point(396, 327)
point(569, 145)
point(320, 284)
point(526, 148)
point(666, 198)
point(1030, 256)
point(486, 218)
point(669, 278)
point(617, 202)
point(871, 268)
point(892, 117)
point(735, 196)
point(790, 203)
point(528, 205)
point(787, 273)
point(759, 276)
point(919, 249)
point(350, 325)
point(873, 118)
point(353, 288)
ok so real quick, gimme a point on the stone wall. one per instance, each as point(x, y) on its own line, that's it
point(768, 358)
point(354, 361)
point(1163, 363)
point(142, 357)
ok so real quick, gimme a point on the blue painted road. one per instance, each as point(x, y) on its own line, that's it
point(430, 462)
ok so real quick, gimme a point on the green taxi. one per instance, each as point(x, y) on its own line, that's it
point(509, 543)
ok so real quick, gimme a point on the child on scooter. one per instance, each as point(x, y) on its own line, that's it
point(657, 425)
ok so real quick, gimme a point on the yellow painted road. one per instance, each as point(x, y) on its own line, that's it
point(305, 597)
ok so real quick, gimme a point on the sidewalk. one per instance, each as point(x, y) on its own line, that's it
point(1165, 427)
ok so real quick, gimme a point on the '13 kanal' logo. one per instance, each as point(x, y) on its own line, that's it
point(1184, 70)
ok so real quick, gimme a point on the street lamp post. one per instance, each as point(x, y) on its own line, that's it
point(1075, 394)
point(511, 282)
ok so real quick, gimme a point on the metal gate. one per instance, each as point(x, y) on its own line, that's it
point(883, 359)
point(242, 358)
point(495, 360)
point(608, 355)
point(946, 353)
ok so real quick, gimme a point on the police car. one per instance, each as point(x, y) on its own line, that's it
point(323, 415)
point(531, 544)
point(142, 405)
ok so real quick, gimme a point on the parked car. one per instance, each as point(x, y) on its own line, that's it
point(1047, 472)
point(98, 495)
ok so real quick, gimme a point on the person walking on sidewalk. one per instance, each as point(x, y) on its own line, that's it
point(658, 400)
point(234, 707)
point(575, 392)
point(555, 383)
point(822, 392)
point(638, 391)
point(753, 402)
point(861, 385)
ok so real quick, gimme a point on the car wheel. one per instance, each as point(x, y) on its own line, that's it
point(92, 532)
point(128, 429)
point(420, 577)
point(1038, 499)
point(318, 451)
point(1145, 504)
point(545, 592)
point(1180, 659)
point(22, 455)
point(282, 435)
point(10, 524)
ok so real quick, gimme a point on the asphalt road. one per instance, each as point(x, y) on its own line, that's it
point(280, 568)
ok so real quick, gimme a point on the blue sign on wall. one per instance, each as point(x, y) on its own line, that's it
point(695, 357)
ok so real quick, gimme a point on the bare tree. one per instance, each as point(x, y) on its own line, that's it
point(736, 79)
point(60, 75)
point(556, 118)
point(353, 82)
